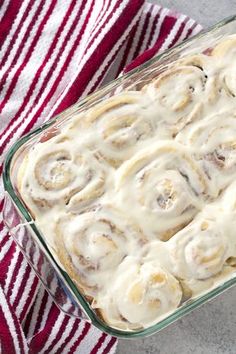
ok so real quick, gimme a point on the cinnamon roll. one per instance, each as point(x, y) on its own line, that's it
point(121, 124)
point(225, 54)
point(90, 246)
point(214, 139)
point(139, 295)
point(200, 250)
point(59, 175)
point(179, 92)
point(165, 187)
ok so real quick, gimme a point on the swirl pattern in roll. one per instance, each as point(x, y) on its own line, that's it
point(139, 294)
point(92, 244)
point(121, 124)
point(181, 91)
point(200, 250)
point(213, 138)
point(59, 175)
point(165, 188)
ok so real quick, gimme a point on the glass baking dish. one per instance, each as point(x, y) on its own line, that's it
point(21, 224)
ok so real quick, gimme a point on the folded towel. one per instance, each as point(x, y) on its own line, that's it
point(53, 52)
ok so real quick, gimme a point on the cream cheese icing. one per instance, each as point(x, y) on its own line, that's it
point(136, 196)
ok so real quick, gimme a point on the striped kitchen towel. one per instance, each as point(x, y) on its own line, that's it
point(53, 52)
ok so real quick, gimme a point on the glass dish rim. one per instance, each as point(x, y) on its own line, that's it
point(9, 189)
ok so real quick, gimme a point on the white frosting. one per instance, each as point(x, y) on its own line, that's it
point(136, 196)
point(200, 250)
point(93, 244)
point(139, 294)
point(214, 140)
point(165, 184)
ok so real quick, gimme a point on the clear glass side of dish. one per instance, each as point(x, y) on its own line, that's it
point(36, 255)
point(21, 224)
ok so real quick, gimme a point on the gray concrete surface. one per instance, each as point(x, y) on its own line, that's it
point(206, 12)
point(210, 329)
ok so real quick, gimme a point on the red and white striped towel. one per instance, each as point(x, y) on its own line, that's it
point(51, 53)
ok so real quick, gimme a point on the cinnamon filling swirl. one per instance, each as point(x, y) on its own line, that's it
point(166, 186)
